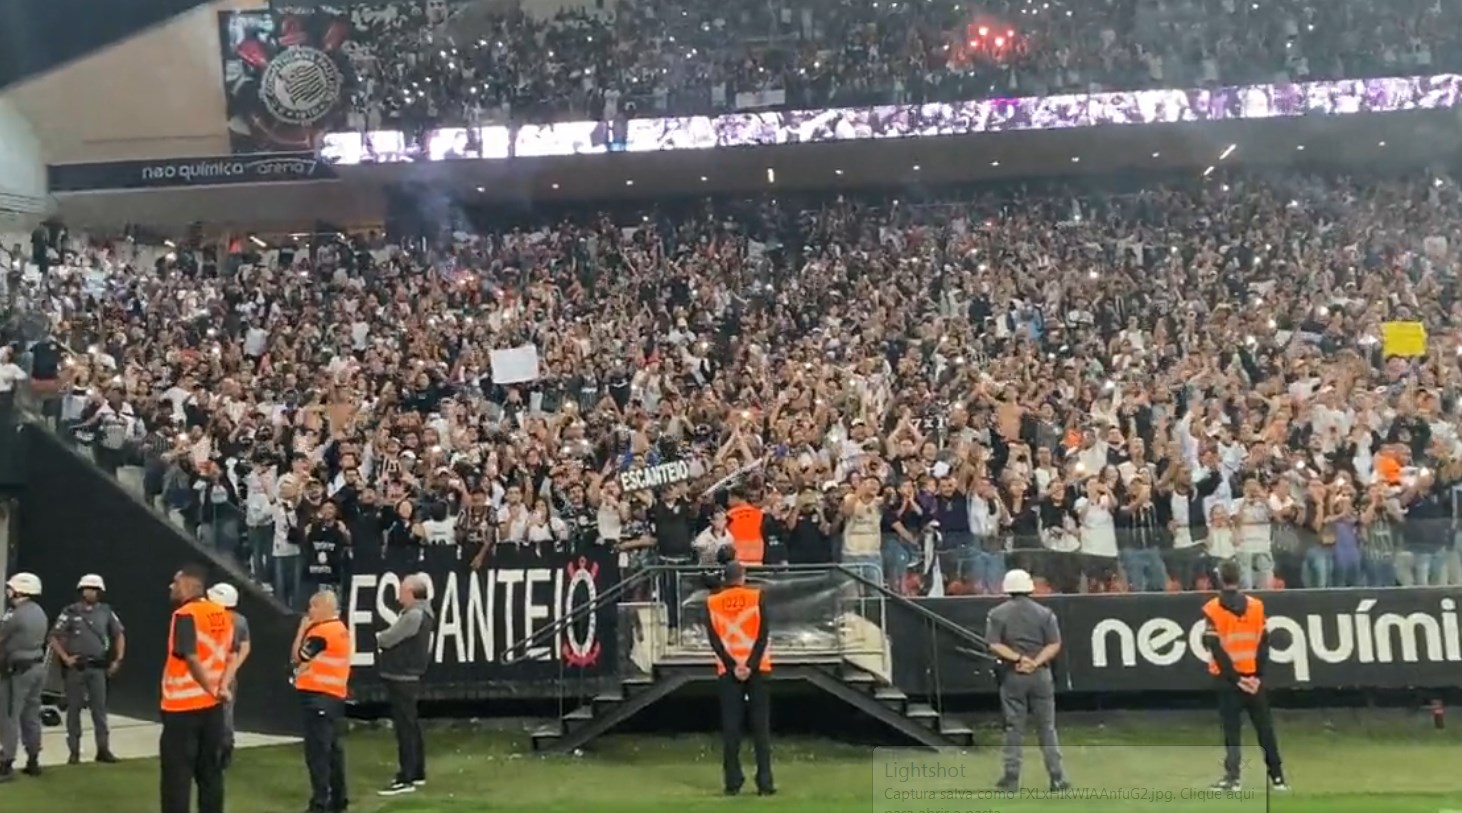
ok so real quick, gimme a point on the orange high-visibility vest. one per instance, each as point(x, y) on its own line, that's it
point(744, 524)
point(736, 620)
point(329, 671)
point(215, 633)
point(1238, 635)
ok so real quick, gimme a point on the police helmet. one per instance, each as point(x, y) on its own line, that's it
point(1018, 582)
point(25, 584)
point(224, 595)
point(91, 581)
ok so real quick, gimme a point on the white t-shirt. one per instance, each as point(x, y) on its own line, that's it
point(10, 373)
point(611, 526)
point(440, 532)
point(517, 529)
point(1255, 532)
point(1098, 530)
point(285, 519)
point(708, 542)
point(861, 535)
point(549, 531)
point(1182, 534)
point(1221, 543)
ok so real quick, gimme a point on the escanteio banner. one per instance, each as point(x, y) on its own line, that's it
point(484, 616)
point(190, 172)
point(1322, 639)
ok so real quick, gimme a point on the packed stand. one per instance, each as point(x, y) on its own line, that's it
point(651, 57)
point(1116, 392)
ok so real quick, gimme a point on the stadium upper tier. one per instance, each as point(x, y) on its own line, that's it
point(653, 57)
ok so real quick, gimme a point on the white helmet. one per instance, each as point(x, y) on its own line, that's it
point(224, 595)
point(91, 580)
point(25, 584)
point(1018, 582)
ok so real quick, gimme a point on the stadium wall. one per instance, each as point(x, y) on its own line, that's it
point(23, 198)
point(1322, 640)
point(157, 95)
point(74, 520)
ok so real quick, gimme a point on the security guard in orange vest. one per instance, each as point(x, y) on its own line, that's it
point(1238, 645)
point(739, 638)
point(744, 523)
point(323, 650)
point(196, 678)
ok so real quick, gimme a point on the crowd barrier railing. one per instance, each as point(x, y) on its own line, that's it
point(1368, 547)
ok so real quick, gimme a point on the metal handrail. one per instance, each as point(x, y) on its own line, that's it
point(512, 653)
point(613, 593)
point(932, 617)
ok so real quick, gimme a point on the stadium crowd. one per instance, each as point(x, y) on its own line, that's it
point(1113, 391)
point(647, 57)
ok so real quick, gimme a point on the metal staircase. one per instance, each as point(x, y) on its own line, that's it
point(841, 650)
point(919, 723)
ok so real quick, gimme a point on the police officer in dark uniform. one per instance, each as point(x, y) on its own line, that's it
point(226, 596)
point(1025, 637)
point(22, 674)
point(90, 642)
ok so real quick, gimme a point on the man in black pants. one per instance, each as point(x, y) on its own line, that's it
point(1236, 636)
point(743, 665)
point(197, 680)
point(322, 652)
point(403, 652)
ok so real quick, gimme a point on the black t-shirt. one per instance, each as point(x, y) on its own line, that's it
point(672, 520)
point(185, 636)
point(45, 360)
point(583, 521)
point(474, 529)
point(806, 543)
point(325, 550)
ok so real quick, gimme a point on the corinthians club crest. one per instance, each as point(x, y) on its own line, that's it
point(301, 85)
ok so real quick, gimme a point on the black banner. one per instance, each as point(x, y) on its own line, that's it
point(1321, 639)
point(482, 614)
point(190, 172)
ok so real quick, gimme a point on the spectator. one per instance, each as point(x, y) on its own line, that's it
point(1178, 376)
point(649, 57)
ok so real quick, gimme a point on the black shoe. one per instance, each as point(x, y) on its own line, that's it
point(1228, 784)
point(6, 774)
point(75, 759)
point(107, 757)
point(396, 788)
point(731, 792)
point(1060, 786)
point(1008, 784)
point(419, 781)
point(32, 767)
point(766, 791)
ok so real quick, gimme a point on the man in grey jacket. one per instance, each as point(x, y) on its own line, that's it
point(403, 651)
